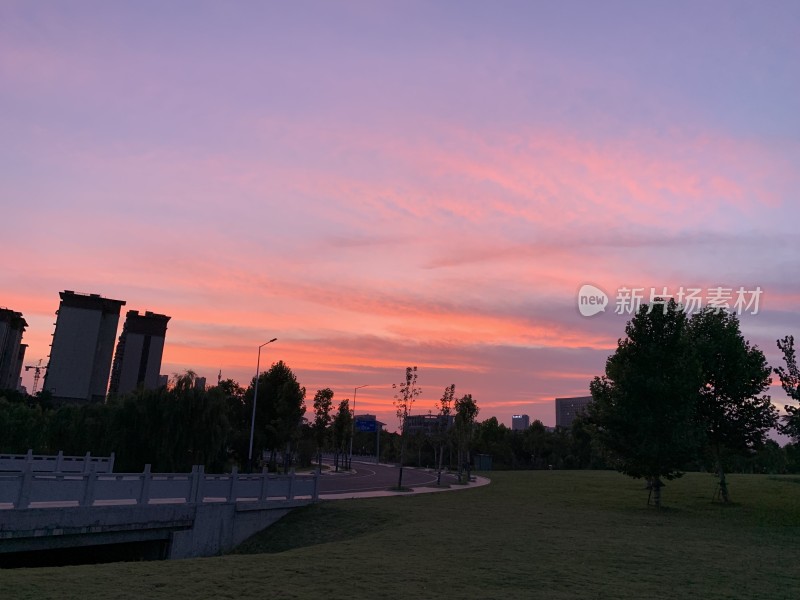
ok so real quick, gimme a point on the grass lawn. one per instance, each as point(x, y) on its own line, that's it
point(532, 534)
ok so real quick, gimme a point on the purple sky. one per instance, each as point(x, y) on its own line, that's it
point(409, 183)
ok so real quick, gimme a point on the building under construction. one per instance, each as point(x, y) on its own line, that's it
point(12, 350)
point(137, 362)
point(83, 344)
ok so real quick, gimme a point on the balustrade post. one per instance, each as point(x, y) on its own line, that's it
point(90, 480)
point(59, 460)
point(196, 491)
point(87, 468)
point(25, 487)
point(144, 493)
point(232, 488)
point(264, 490)
point(290, 491)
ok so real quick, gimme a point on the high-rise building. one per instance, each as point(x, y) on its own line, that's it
point(83, 344)
point(520, 422)
point(12, 350)
point(137, 361)
point(568, 408)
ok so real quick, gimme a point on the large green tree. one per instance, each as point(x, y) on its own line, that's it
point(790, 381)
point(731, 406)
point(644, 405)
point(279, 412)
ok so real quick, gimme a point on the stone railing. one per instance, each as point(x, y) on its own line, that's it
point(59, 463)
point(32, 489)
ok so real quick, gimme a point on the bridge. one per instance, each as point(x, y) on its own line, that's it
point(58, 463)
point(178, 515)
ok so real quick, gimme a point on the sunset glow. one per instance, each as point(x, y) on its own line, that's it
point(380, 185)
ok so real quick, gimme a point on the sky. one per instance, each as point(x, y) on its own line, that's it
point(387, 184)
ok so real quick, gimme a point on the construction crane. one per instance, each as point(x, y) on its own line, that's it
point(37, 372)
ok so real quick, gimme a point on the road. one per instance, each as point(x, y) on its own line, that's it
point(371, 477)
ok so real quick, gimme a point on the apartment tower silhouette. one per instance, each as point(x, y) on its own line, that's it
point(12, 350)
point(83, 344)
point(137, 362)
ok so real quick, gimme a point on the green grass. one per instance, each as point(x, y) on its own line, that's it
point(535, 534)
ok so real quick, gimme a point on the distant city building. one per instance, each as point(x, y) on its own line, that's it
point(568, 408)
point(12, 350)
point(520, 422)
point(137, 361)
point(428, 424)
point(163, 380)
point(83, 344)
point(200, 384)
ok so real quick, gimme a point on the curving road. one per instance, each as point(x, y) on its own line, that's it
point(366, 477)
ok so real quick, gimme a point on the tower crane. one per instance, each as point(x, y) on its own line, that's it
point(37, 372)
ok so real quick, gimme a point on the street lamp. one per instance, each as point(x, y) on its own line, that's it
point(255, 399)
point(353, 432)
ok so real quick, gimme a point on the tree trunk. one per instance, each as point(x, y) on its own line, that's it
point(441, 457)
point(400, 476)
point(656, 484)
point(723, 484)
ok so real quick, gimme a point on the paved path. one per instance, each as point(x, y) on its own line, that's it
point(368, 480)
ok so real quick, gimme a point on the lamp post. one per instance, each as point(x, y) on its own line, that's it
point(353, 432)
point(255, 399)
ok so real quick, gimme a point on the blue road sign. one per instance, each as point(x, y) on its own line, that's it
point(364, 425)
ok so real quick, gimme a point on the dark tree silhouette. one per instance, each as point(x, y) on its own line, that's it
point(790, 381)
point(730, 406)
point(644, 405)
point(466, 412)
point(323, 401)
point(407, 392)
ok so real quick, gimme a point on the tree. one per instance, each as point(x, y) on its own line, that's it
point(466, 413)
point(342, 430)
point(535, 443)
point(238, 416)
point(643, 407)
point(279, 411)
point(443, 425)
point(790, 382)
point(730, 406)
point(323, 400)
point(203, 415)
point(21, 427)
point(407, 392)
